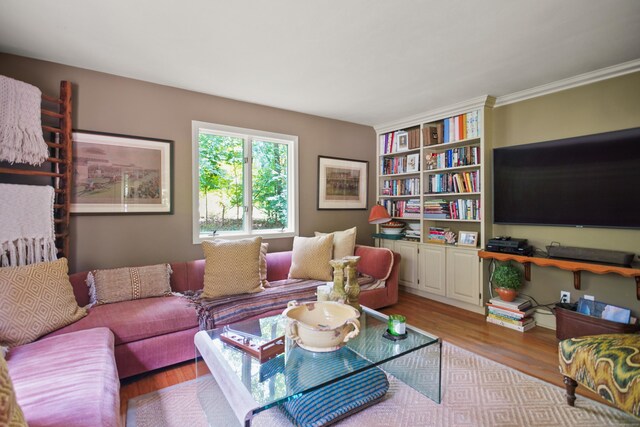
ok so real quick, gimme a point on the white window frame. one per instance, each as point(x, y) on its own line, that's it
point(247, 135)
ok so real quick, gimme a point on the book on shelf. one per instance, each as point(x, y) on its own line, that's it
point(461, 127)
point(518, 303)
point(499, 322)
point(517, 322)
point(518, 314)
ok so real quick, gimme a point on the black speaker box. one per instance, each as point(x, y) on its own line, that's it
point(594, 255)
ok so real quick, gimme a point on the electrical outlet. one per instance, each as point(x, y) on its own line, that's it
point(565, 297)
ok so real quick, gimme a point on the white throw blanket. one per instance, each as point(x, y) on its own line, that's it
point(21, 138)
point(26, 224)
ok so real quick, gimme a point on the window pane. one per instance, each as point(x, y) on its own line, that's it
point(221, 183)
point(270, 197)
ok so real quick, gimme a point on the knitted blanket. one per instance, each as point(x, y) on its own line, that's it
point(213, 313)
point(26, 224)
point(21, 138)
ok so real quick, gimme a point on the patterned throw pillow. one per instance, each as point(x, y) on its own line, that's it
point(310, 258)
point(344, 242)
point(128, 283)
point(10, 413)
point(36, 299)
point(232, 267)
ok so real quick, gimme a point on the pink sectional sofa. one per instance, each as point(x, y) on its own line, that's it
point(131, 337)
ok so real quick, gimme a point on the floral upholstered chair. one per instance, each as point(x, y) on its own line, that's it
point(608, 365)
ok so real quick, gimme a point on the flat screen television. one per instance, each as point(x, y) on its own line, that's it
point(586, 181)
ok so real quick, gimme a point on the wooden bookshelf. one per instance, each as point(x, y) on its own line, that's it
point(574, 266)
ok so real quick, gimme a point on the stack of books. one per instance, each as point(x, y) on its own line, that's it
point(436, 209)
point(436, 235)
point(517, 314)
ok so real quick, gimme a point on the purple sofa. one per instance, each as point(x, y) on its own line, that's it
point(132, 337)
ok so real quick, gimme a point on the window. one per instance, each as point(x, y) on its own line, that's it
point(245, 182)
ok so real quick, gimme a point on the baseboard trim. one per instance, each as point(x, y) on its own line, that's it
point(445, 300)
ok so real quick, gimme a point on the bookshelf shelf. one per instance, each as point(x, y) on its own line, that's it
point(452, 220)
point(576, 267)
point(455, 168)
point(436, 195)
point(449, 145)
point(399, 175)
point(401, 153)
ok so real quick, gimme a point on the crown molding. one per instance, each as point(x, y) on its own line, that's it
point(571, 82)
point(439, 113)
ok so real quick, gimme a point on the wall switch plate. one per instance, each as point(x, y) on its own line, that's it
point(565, 297)
point(590, 297)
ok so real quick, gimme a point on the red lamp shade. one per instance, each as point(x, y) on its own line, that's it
point(379, 215)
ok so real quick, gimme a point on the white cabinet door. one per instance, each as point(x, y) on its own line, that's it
point(408, 263)
point(431, 269)
point(386, 243)
point(463, 275)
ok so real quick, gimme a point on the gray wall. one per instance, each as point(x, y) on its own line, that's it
point(107, 103)
point(600, 107)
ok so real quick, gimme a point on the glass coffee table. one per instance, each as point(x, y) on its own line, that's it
point(234, 387)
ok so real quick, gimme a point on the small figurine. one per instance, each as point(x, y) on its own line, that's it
point(450, 237)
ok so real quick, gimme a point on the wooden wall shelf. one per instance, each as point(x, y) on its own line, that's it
point(574, 266)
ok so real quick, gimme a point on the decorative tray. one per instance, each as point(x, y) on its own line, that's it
point(253, 345)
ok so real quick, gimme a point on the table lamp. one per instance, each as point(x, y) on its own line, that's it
point(379, 215)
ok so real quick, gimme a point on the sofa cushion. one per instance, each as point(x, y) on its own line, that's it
point(36, 299)
point(310, 258)
point(232, 267)
point(344, 242)
point(68, 380)
point(10, 412)
point(138, 319)
point(129, 283)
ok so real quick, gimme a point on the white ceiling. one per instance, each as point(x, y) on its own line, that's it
point(363, 61)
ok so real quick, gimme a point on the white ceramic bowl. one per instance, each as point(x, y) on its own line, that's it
point(413, 225)
point(392, 230)
point(321, 326)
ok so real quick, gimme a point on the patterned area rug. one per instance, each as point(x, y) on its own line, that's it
point(475, 392)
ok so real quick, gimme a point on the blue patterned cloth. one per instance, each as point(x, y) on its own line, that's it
point(338, 400)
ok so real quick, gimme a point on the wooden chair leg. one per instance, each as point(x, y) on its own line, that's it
point(570, 386)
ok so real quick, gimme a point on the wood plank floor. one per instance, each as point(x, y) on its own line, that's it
point(534, 352)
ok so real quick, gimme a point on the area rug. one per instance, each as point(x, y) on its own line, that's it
point(475, 392)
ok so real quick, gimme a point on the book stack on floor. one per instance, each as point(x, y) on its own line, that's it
point(517, 314)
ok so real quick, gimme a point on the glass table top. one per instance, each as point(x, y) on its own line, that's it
point(299, 371)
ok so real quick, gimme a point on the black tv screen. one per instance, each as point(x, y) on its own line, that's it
point(586, 181)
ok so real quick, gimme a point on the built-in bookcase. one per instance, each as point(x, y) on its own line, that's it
point(433, 173)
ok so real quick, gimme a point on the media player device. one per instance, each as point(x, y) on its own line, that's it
point(509, 245)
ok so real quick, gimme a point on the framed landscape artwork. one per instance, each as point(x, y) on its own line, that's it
point(118, 174)
point(342, 183)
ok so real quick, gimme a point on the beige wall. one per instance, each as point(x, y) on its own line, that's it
point(604, 106)
point(107, 103)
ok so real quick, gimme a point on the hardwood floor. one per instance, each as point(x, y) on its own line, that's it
point(534, 352)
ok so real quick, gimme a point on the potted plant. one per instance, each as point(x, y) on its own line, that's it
point(507, 279)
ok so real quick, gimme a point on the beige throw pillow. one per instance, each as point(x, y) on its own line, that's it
point(310, 258)
point(128, 283)
point(232, 267)
point(344, 242)
point(10, 413)
point(36, 299)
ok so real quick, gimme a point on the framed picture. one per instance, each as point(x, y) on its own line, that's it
point(468, 238)
point(118, 174)
point(403, 140)
point(413, 162)
point(342, 183)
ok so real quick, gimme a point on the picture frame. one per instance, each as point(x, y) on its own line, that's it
point(121, 174)
point(413, 163)
point(402, 139)
point(468, 238)
point(342, 183)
